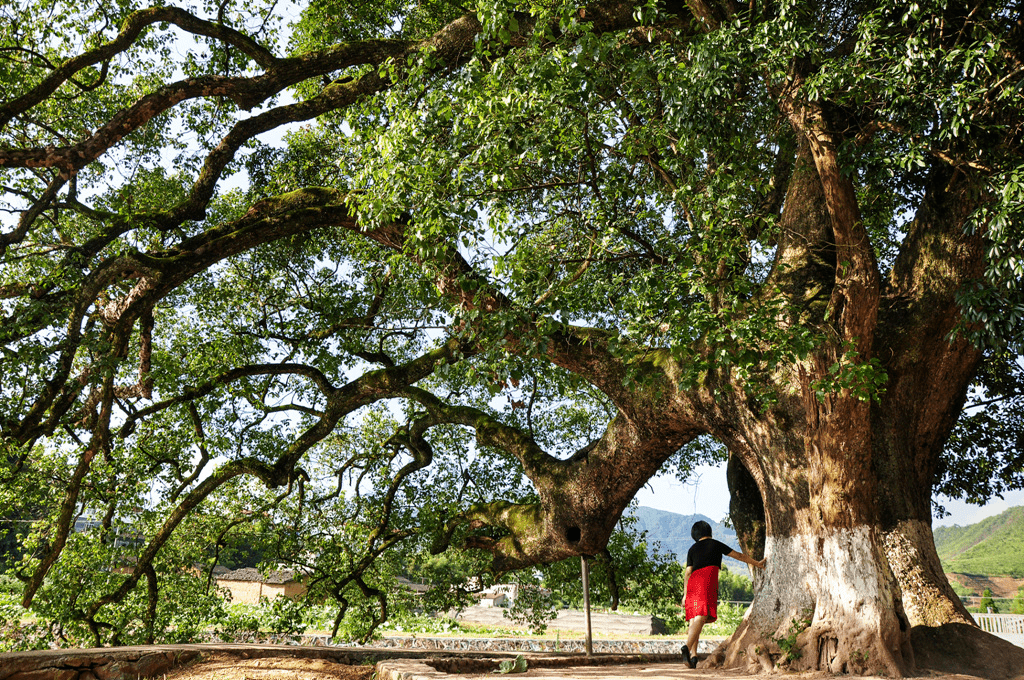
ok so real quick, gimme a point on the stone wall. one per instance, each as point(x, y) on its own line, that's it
point(95, 664)
point(498, 645)
point(532, 645)
point(442, 668)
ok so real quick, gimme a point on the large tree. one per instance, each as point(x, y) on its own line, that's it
point(793, 228)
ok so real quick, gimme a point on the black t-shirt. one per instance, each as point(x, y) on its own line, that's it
point(706, 553)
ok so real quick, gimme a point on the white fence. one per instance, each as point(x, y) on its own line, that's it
point(1007, 626)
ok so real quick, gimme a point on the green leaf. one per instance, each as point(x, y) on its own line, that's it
point(517, 665)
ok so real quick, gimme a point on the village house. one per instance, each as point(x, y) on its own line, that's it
point(248, 585)
point(492, 599)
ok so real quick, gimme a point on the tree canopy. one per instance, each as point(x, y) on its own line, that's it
point(388, 278)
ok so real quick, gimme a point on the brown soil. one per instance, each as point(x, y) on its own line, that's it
point(1001, 586)
point(230, 667)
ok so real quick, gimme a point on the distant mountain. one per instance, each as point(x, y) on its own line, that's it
point(992, 547)
point(672, 533)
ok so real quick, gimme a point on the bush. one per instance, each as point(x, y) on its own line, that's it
point(729, 618)
point(533, 607)
point(319, 616)
point(10, 608)
point(242, 623)
point(1017, 606)
point(17, 634)
point(279, 616)
point(10, 586)
point(282, 615)
point(421, 624)
point(988, 605)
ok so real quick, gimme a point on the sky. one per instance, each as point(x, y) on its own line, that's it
point(709, 495)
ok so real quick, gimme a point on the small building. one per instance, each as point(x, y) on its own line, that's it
point(492, 599)
point(505, 595)
point(248, 585)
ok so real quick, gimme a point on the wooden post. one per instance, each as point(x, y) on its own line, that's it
point(589, 640)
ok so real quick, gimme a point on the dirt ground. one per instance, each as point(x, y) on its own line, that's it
point(226, 667)
point(229, 667)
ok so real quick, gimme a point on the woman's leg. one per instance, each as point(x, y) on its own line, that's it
point(696, 624)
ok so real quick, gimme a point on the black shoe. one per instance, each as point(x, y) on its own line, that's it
point(686, 653)
point(693, 661)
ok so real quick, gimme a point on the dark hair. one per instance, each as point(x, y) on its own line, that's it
point(700, 530)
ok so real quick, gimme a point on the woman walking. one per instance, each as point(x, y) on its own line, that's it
point(703, 562)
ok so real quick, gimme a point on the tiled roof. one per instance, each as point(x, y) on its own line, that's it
point(252, 574)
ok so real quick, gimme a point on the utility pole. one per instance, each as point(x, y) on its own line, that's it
point(589, 641)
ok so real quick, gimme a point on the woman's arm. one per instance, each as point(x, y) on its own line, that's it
point(743, 557)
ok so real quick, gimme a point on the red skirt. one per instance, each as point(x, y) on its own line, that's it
point(702, 594)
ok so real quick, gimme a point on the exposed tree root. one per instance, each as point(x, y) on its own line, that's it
point(953, 648)
point(962, 648)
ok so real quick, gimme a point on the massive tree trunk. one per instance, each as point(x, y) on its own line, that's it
point(929, 372)
point(846, 485)
point(829, 600)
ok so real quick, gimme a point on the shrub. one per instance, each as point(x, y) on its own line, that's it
point(532, 607)
point(987, 603)
point(1017, 606)
point(788, 644)
point(729, 618)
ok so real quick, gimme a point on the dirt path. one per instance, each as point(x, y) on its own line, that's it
point(230, 667)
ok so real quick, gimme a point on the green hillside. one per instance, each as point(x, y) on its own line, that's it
point(994, 546)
